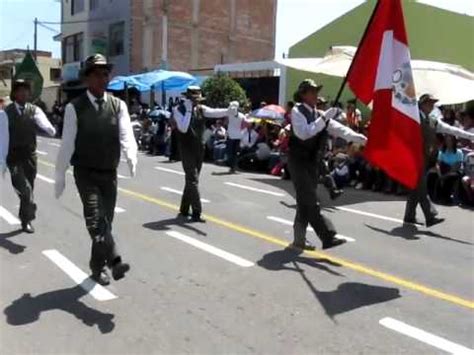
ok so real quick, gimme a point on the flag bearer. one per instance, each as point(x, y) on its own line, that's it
point(310, 129)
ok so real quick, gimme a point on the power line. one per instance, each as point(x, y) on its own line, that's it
point(48, 28)
point(73, 22)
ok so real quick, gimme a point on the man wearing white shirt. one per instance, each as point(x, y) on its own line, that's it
point(310, 129)
point(96, 126)
point(18, 147)
point(248, 138)
point(190, 117)
point(234, 131)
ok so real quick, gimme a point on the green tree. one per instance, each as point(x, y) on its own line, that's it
point(220, 90)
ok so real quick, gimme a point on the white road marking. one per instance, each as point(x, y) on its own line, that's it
point(425, 337)
point(169, 170)
point(177, 192)
point(40, 152)
point(119, 210)
point(45, 179)
point(54, 144)
point(245, 187)
point(97, 291)
point(8, 217)
point(211, 249)
point(309, 229)
point(368, 214)
point(122, 176)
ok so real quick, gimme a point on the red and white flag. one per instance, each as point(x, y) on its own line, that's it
point(381, 73)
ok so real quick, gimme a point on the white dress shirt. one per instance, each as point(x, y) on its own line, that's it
point(68, 142)
point(234, 129)
point(445, 128)
point(304, 130)
point(183, 121)
point(40, 120)
point(248, 138)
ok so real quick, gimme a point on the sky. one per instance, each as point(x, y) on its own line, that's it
point(296, 19)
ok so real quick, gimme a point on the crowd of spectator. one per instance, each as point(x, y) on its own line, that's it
point(263, 147)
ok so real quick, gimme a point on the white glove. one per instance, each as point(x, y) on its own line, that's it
point(363, 139)
point(132, 166)
point(188, 105)
point(59, 186)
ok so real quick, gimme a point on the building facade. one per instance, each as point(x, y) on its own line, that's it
point(186, 35)
point(49, 67)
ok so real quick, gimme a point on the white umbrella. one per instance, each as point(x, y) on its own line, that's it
point(450, 83)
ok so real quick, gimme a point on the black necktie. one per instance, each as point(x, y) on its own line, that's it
point(22, 110)
point(100, 103)
point(250, 136)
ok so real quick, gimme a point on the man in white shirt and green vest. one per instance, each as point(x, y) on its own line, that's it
point(18, 147)
point(310, 130)
point(96, 126)
point(190, 117)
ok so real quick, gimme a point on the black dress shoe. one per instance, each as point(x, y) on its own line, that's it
point(183, 216)
point(119, 270)
point(333, 242)
point(433, 221)
point(411, 221)
point(335, 194)
point(27, 228)
point(303, 246)
point(197, 219)
point(101, 277)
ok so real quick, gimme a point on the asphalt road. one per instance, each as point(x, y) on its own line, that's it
point(231, 286)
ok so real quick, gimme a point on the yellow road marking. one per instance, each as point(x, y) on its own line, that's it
point(274, 240)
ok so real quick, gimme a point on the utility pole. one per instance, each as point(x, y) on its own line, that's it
point(35, 45)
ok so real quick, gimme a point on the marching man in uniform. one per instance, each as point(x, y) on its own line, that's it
point(96, 126)
point(430, 126)
point(310, 129)
point(190, 117)
point(18, 147)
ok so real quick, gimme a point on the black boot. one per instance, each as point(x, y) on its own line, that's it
point(27, 227)
point(332, 242)
point(119, 270)
point(101, 277)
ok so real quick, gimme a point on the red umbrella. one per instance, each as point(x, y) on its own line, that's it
point(269, 112)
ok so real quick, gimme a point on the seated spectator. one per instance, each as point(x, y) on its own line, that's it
point(450, 160)
point(467, 182)
point(340, 172)
point(220, 137)
point(249, 139)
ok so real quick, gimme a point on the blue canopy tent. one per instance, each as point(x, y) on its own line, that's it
point(155, 80)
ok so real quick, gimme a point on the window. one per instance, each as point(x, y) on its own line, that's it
point(77, 6)
point(93, 4)
point(73, 48)
point(116, 39)
point(54, 74)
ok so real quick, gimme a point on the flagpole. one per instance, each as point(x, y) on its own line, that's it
point(344, 81)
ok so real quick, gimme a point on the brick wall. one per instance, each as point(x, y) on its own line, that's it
point(213, 32)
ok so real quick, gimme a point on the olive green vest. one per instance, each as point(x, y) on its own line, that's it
point(98, 138)
point(430, 143)
point(195, 132)
point(22, 132)
point(312, 148)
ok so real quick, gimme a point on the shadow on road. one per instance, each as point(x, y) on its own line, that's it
point(222, 173)
point(167, 224)
point(411, 232)
point(282, 259)
point(347, 297)
point(28, 309)
point(349, 197)
point(7, 244)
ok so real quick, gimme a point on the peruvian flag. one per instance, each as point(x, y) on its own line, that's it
point(381, 73)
